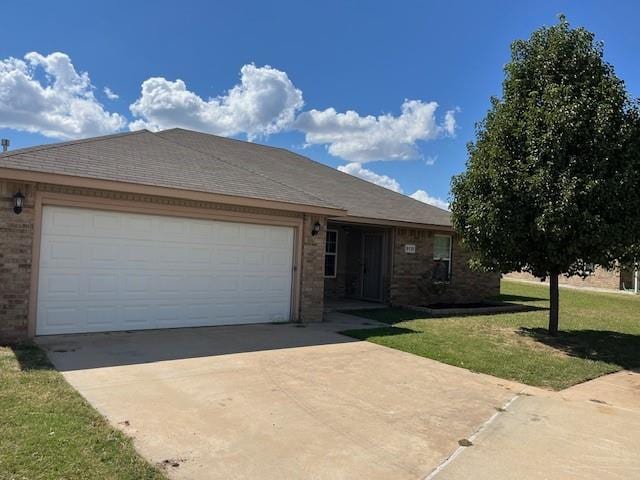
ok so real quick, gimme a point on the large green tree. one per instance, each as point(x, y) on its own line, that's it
point(552, 180)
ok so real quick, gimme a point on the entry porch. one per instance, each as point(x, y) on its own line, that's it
point(357, 268)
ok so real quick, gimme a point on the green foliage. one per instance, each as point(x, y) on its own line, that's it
point(552, 178)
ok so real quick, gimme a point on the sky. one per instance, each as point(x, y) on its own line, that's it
point(388, 91)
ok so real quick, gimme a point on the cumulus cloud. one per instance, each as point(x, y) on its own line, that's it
point(424, 197)
point(367, 138)
point(264, 102)
point(357, 170)
point(47, 95)
point(110, 94)
point(58, 104)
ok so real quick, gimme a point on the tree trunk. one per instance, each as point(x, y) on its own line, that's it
point(554, 302)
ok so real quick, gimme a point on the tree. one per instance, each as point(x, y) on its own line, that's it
point(552, 180)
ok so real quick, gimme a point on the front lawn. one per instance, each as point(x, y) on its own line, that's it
point(48, 431)
point(600, 333)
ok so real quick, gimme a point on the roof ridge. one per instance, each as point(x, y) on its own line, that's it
point(231, 139)
point(39, 148)
point(308, 160)
point(243, 167)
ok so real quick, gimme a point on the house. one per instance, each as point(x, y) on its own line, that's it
point(176, 228)
point(625, 279)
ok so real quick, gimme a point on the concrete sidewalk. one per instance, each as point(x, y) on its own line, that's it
point(588, 432)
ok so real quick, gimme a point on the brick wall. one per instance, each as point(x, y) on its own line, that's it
point(312, 274)
point(465, 286)
point(16, 236)
point(600, 278)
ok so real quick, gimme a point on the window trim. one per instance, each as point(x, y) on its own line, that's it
point(450, 237)
point(334, 254)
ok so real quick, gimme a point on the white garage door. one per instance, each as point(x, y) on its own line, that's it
point(104, 271)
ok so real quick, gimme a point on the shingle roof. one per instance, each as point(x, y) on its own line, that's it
point(359, 197)
point(201, 162)
point(145, 158)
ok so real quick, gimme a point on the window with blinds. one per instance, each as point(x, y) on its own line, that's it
point(441, 258)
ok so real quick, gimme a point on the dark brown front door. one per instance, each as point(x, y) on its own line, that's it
point(372, 266)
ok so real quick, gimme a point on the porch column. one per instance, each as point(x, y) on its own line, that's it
point(312, 273)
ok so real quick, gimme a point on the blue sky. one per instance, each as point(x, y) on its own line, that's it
point(327, 58)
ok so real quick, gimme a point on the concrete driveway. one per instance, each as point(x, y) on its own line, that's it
point(278, 401)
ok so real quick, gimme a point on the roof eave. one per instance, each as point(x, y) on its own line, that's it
point(156, 190)
point(390, 223)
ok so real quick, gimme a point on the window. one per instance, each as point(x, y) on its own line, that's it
point(441, 258)
point(331, 254)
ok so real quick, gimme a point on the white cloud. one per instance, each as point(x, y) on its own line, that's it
point(357, 170)
point(110, 94)
point(424, 197)
point(264, 102)
point(385, 137)
point(60, 105)
point(45, 94)
point(449, 124)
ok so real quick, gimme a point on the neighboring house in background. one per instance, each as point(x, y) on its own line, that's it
point(622, 279)
point(177, 229)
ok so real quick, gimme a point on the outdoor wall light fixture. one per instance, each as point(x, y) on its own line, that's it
point(316, 229)
point(18, 203)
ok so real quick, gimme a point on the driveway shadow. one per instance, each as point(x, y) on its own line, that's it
point(84, 351)
point(622, 349)
point(365, 334)
point(30, 357)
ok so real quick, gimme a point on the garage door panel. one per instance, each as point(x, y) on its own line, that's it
point(135, 284)
point(158, 272)
point(101, 316)
point(107, 224)
point(228, 255)
point(167, 284)
point(64, 222)
point(62, 317)
point(103, 255)
point(137, 226)
point(225, 283)
point(200, 257)
point(62, 284)
point(102, 285)
point(61, 252)
point(137, 316)
point(253, 258)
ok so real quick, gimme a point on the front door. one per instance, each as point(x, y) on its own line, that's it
point(372, 266)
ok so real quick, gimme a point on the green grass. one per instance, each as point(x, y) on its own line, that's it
point(48, 431)
point(600, 334)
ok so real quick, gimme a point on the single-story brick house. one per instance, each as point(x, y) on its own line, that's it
point(176, 228)
point(624, 279)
